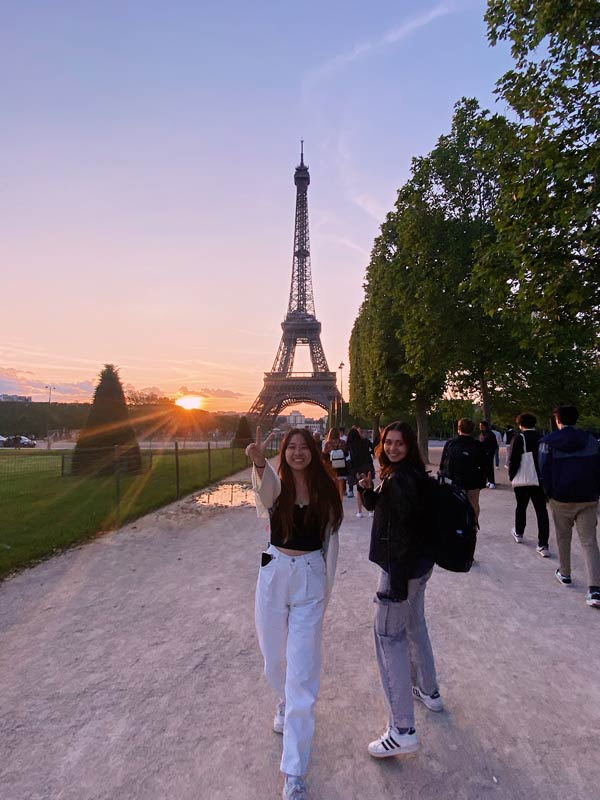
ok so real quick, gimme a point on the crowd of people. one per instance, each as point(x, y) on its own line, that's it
point(303, 500)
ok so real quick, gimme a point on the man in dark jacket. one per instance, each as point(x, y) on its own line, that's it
point(463, 462)
point(570, 471)
point(528, 441)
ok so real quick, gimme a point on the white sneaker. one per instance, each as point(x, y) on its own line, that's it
point(491, 485)
point(432, 701)
point(544, 552)
point(294, 788)
point(393, 743)
point(359, 514)
point(279, 718)
point(371, 514)
point(518, 537)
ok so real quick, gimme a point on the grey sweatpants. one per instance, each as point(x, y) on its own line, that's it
point(403, 648)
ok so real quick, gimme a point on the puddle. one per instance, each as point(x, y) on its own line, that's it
point(226, 495)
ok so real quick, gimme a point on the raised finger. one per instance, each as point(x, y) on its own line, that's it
point(258, 435)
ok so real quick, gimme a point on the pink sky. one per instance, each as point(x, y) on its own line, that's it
point(149, 152)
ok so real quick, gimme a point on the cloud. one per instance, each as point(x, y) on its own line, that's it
point(23, 382)
point(204, 391)
point(364, 49)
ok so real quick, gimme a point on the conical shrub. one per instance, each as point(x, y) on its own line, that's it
point(243, 434)
point(108, 426)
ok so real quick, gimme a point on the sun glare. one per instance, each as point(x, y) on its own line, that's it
point(190, 402)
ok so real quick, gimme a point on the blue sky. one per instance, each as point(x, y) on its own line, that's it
point(148, 158)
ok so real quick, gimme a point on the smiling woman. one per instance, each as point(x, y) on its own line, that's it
point(190, 402)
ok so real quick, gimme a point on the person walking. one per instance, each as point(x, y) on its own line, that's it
point(294, 582)
point(361, 462)
point(569, 461)
point(464, 463)
point(490, 446)
point(528, 442)
point(336, 451)
point(399, 547)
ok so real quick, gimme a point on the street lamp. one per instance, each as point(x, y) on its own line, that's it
point(49, 387)
point(341, 369)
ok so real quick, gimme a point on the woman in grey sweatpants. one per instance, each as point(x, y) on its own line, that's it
point(398, 546)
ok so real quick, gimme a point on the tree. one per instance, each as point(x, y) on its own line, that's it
point(549, 162)
point(107, 427)
point(243, 435)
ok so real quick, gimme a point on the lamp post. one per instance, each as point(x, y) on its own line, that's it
point(341, 369)
point(49, 387)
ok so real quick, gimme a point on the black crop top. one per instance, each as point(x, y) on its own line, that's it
point(302, 538)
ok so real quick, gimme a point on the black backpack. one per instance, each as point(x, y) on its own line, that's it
point(452, 525)
point(463, 465)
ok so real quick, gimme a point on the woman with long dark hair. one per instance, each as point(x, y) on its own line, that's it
point(296, 575)
point(399, 546)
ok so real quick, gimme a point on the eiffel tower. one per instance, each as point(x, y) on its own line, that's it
point(282, 386)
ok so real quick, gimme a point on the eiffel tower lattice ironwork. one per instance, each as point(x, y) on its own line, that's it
point(282, 386)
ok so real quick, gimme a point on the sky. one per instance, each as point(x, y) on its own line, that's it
point(148, 150)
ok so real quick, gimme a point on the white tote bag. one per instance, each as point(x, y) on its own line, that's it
point(527, 475)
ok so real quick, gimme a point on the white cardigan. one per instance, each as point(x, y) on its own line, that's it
point(266, 491)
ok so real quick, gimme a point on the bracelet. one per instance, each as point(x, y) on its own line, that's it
point(259, 466)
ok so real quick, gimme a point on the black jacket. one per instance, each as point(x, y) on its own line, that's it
point(532, 441)
point(570, 466)
point(399, 541)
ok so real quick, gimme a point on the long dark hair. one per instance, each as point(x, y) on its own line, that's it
point(413, 454)
point(325, 504)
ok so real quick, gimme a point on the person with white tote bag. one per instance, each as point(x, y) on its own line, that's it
point(523, 471)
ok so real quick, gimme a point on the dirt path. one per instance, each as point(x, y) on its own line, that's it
point(129, 669)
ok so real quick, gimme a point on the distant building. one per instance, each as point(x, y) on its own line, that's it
point(14, 398)
point(296, 419)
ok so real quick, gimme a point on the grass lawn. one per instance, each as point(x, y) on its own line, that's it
point(42, 512)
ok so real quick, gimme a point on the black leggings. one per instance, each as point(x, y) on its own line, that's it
point(536, 494)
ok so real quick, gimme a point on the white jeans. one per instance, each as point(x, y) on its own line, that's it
point(290, 603)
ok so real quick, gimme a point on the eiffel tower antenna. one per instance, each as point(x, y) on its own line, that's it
point(282, 386)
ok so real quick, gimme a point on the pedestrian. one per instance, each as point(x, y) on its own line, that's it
point(570, 471)
point(294, 582)
point(490, 446)
point(337, 451)
point(399, 548)
point(498, 436)
point(464, 463)
point(360, 464)
point(528, 442)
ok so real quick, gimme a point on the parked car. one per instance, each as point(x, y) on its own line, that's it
point(18, 441)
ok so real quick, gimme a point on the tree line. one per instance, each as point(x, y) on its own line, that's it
point(484, 282)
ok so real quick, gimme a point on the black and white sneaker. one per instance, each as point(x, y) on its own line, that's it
point(432, 701)
point(518, 537)
point(395, 742)
point(564, 579)
point(593, 599)
point(542, 551)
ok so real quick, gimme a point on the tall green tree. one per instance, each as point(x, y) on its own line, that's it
point(108, 426)
point(549, 162)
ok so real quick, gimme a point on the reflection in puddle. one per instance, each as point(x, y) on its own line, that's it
point(227, 494)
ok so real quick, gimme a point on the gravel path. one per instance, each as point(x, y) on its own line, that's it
point(129, 670)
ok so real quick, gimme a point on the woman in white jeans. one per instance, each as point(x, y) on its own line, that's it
point(295, 578)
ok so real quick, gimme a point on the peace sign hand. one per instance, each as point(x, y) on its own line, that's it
point(366, 481)
point(256, 450)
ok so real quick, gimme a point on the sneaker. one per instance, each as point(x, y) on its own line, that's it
point(350, 494)
point(543, 551)
point(279, 718)
point(432, 701)
point(371, 514)
point(359, 514)
point(518, 537)
point(491, 486)
point(593, 599)
point(294, 788)
point(564, 579)
point(394, 743)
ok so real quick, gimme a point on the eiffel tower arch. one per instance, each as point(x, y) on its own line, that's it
point(282, 386)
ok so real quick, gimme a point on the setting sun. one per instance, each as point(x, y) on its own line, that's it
point(190, 402)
